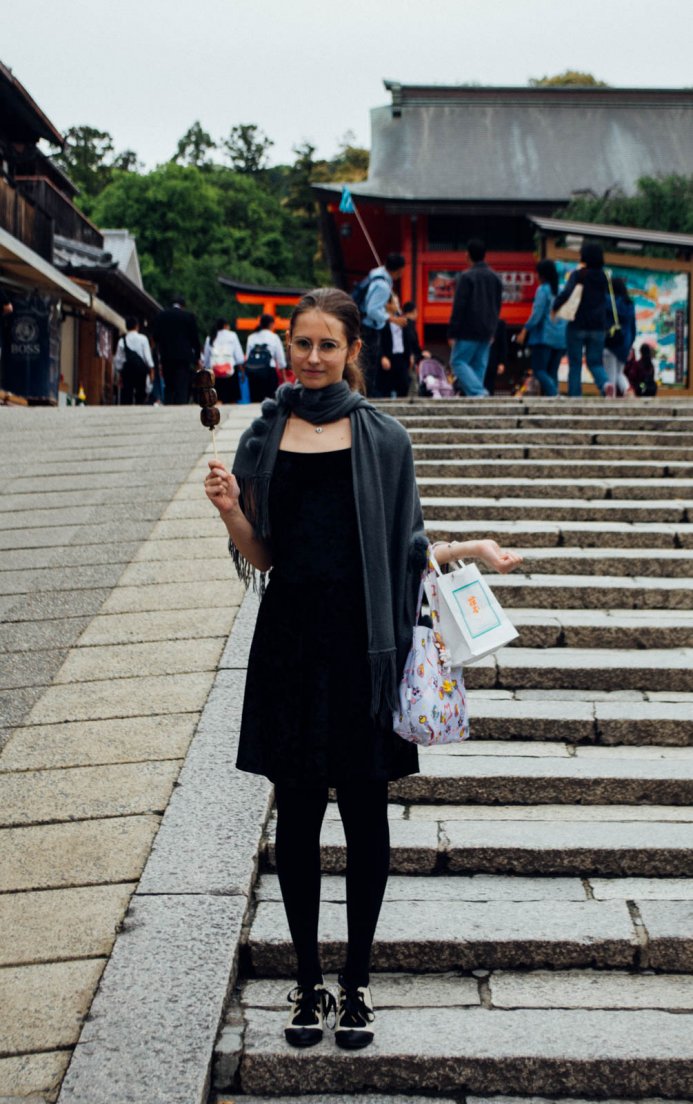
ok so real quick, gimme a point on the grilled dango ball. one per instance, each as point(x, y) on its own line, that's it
point(210, 416)
point(207, 398)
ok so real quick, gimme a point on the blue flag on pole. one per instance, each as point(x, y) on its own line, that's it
point(346, 203)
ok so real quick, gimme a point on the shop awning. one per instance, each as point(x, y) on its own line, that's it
point(32, 271)
point(107, 314)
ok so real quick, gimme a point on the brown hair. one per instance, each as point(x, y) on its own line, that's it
point(337, 303)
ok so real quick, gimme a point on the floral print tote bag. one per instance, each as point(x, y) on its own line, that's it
point(432, 698)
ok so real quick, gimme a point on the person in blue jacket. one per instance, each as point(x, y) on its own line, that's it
point(588, 329)
point(619, 344)
point(546, 338)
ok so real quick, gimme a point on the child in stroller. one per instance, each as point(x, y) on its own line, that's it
point(433, 380)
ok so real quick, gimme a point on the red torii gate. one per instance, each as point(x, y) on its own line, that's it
point(267, 298)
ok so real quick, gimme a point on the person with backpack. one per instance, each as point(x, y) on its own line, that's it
point(133, 364)
point(222, 354)
point(265, 360)
point(372, 296)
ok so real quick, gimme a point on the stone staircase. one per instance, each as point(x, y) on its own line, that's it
point(536, 940)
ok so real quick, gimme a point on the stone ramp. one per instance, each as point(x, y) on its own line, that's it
point(536, 937)
point(112, 631)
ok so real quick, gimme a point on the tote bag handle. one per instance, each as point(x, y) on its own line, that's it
point(434, 563)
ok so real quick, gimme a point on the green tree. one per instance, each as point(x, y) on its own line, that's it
point(659, 203)
point(247, 148)
point(193, 225)
point(195, 147)
point(88, 159)
point(351, 162)
point(127, 161)
point(571, 78)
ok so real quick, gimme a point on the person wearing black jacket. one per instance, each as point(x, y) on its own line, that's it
point(475, 312)
point(178, 345)
point(588, 329)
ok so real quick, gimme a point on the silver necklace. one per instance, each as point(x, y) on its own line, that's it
point(318, 429)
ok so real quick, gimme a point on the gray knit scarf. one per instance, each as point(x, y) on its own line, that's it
point(393, 542)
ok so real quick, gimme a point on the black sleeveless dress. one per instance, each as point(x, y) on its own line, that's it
point(306, 713)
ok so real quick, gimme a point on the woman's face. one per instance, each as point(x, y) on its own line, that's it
point(319, 350)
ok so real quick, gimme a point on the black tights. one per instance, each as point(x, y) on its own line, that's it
point(300, 812)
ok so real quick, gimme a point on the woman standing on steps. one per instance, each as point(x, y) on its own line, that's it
point(323, 492)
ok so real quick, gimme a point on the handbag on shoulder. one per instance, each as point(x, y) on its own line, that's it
point(472, 621)
point(613, 332)
point(570, 308)
point(432, 698)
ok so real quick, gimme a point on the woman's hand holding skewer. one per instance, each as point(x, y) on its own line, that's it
point(221, 488)
point(223, 491)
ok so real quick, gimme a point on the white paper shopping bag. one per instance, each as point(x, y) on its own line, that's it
point(472, 621)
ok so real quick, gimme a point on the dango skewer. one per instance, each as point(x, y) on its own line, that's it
point(207, 399)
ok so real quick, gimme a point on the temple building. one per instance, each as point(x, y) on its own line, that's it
point(451, 163)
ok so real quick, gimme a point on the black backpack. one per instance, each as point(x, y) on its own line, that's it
point(259, 357)
point(360, 292)
point(133, 359)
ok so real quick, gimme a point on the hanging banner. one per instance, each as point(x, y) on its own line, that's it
point(28, 367)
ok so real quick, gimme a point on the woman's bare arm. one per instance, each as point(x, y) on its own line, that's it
point(488, 551)
point(223, 491)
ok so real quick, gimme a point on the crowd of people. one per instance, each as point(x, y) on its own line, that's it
point(592, 316)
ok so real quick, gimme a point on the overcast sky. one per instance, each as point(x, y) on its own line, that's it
point(311, 69)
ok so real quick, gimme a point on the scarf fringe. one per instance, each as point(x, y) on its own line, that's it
point(250, 576)
point(384, 688)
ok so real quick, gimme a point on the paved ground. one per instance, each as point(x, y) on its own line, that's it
point(117, 597)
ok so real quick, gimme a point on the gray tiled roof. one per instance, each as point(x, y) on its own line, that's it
point(525, 144)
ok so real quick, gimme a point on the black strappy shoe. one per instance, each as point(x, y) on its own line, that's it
point(310, 1009)
point(354, 1016)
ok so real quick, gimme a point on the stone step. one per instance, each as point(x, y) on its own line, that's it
point(378, 1098)
point(327, 1097)
point(427, 936)
point(675, 563)
point(534, 438)
point(612, 489)
point(632, 629)
point(492, 422)
point(510, 840)
point(450, 465)
point(584, 592)
point(486, 509)
point(478, 1050)
point(560, 533)
point(587, 668)
point(461, 449)
point(429, 924)
point(549, 773)
point(592, 406)
point(579, 717)
point(530, 668)
point(648, 894)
